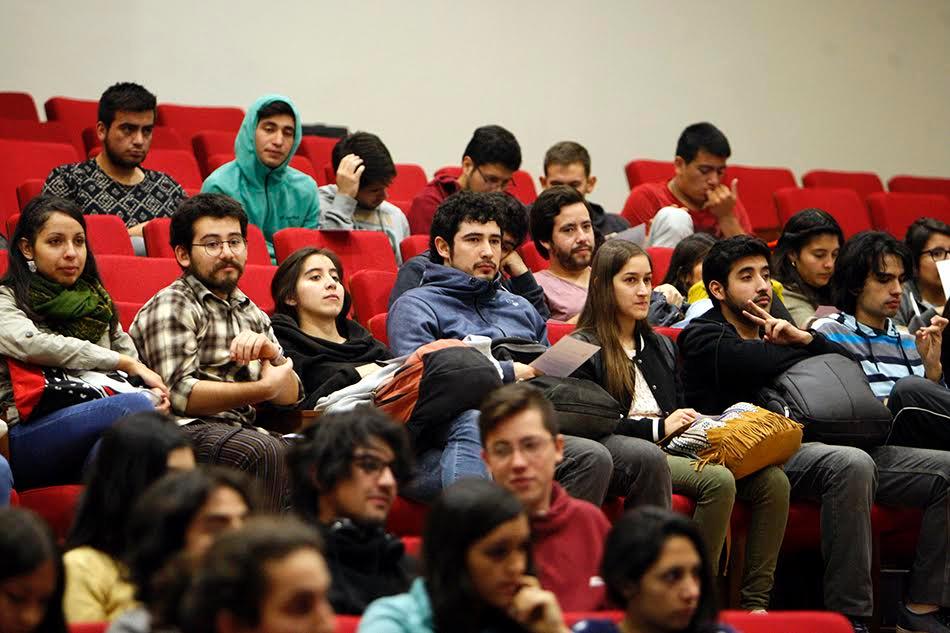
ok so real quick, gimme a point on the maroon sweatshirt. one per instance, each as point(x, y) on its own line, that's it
point(428, 200)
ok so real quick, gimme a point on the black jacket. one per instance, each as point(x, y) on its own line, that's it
point(657, 361)
point(606, 223)
point(325, 366)
point(720, 368)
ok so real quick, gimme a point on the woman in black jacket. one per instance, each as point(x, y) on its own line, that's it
point(638, 367)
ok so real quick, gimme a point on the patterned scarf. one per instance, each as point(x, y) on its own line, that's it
point(84, 311)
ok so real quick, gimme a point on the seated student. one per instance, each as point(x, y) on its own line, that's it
point(634, 366)
point(489, 160)
point(737, 348)
point(31, 577)
point(685, 272)
point(568, 163)
point(522, 448)
point(364, 169)
point(929, 242)
point(132, 454)
point(710, 205)
point(56, 313)
point(178, 517)
point(269, 576)
point(215, 348)
point(477, 559)
point(516, 278)
point(905, 372)
point(461, 295)
point(804, 261)
point(656, 568)
point(275, 195)
point(329, 351)
point(563, 234)
point(114, 182)
point(346, 476)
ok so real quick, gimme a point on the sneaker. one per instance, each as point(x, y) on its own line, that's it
point(910, 622)
point(859, 626)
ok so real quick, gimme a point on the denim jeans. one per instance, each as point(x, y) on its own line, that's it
point(6, 482)
point(52, 450)
point(461, 457)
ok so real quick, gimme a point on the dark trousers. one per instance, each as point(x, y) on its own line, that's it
point(921, 411)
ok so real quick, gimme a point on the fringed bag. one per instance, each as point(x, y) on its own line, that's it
point(744, 439)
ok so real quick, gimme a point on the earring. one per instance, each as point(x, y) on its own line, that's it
point(31, 265)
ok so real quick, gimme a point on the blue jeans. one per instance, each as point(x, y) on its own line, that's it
point(6, 482)
point(461, 457)
point(52, 450)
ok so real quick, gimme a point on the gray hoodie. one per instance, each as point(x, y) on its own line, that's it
point(339, 211)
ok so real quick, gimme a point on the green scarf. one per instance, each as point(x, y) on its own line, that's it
point(84, 311)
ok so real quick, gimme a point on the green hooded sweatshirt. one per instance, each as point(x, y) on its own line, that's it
point(274, 199)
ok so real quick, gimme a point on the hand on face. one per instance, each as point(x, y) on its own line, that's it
point(348, 175)
point(512, 264)
point(778, 331)
point(721, 200)
point(536, 609)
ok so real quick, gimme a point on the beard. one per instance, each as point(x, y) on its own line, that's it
point(116, 159)
point(225, 285)
point(573, 261)
point(737, 309)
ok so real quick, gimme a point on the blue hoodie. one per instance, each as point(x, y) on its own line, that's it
point(274, 199)
point(453, 304)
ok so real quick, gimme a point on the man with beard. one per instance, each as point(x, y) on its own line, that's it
point(113, 182)
point(364, 169)
point(215, 349)
point(564, 234)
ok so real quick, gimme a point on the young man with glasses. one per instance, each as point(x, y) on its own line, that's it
point(345, 477)
point(215, 349)
point(522, 447)
point(490, 159)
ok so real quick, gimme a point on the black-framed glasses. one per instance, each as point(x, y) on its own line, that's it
point(372, 465)
point(494, 181)
point(213, 247)
point(937, 254)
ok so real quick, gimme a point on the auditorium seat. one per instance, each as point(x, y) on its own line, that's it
point(347, 623)
point(180, 164)
point(864, 183)
point(558, 330)
point(410, 180)
point(156, 234)
point(787, 622)
point(532, 258)
point(75, 115)
point(189, 120)
point(522, 187)
point(756, 188)
point(27, 190)
point(413, 545)
point(843, 204)
point(369, 290)
point(643, 170)
point(135, 279)
point(377, 327)
point(23, 160)
point(319, 150)
point(4, 262)
point(56, 504)
point(671, 333)
point(406, 517)
point(88, 627)
point(894, 212)
point(255, 283)
point(108, 235)
point(919, 184)
point(22, 130)
point(300, 163)
point(412, 246)
point(162, 138)
point(18, 105)
point(357, 250)
point(573, 617)
point(127, 311)
point(209, 143)
point(660, 256)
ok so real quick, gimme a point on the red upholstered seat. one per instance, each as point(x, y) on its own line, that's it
point(255, 283)
point(24, 130)
point(558, 330)
point(919, 184)
point(410, 180)
point(56, 504)
point(843, 204)
point(660, 256)
point(27, 190)
point(864, 183)
point(157, 242)
point(522, 187)
point(107, 235)
point(413, 545)
point(573, 617)
point(189, 120)
point(532, 258)
point(24, 160)
point(671, 333)
point(75, 115)
point(210, 143)
point(895, 212)
point(357, 250)
point(88, 627)
point(756, 188)
point(787, 622)
point(180, 164)
point(347, 623)
point(370, 290)
point(4, 262)
point(319, 149)
point(18, 105)
point(641, 171)
point(412, 246)
point(133, 279)
point(407, 517)
point(377, 327)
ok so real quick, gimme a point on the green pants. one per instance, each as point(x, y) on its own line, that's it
point(715, 490)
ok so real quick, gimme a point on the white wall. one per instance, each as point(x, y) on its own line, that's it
point(847, 84)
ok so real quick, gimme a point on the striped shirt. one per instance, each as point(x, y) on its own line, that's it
point(885, 356)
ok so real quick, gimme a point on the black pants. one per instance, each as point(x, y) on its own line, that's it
point(921, 411)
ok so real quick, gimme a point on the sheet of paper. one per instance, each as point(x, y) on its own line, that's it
point(564, 357)
point(943, 269)
point(636, 234)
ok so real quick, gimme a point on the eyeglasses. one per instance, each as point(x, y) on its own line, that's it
point(373, 466)
point(531, 447)
point(494, 181)
point(213, 247)
point(937, 254)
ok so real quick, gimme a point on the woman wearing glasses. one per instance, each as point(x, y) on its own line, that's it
point(929, 242)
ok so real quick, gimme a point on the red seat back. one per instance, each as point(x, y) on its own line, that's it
point(107, 235)
point(180, 164)
point(522, 187)
point(894, 212)
point(347, 623)
point(18, 105)
point(558, 330)
point(157, 244)
point(189, 120)
point(319, 149)
point(302, 163)
point(573, 617)
point(162, 138)
point(843, 204)
point(377, 327)
point(208, 143)
point(919, 184)
point(406, 517)
point(75, 115)
point(133, 279)
point(532, 258)
point(27, 190)
point(4, 262)
point(660, 256)
point(23, 130)
point(756, 188)
point(787, 622)
point(370, 290)
point(410, 180)
point(671, 333)
point(412, 246)
point(56, 504)
point(255, 283)
point(864, 183)
point(641, 171)
point(24, 160)
point(357, 250)
point(88, 627)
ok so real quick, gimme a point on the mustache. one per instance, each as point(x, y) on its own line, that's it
point(226, 263)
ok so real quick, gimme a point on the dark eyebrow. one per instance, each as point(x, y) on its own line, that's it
point(320, 269)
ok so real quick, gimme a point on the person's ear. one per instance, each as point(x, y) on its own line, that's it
point(26, 249)
point(679, 165)
point(544, 182)
point(183, 256)
point(101, 131)
point(591, 183)
point(558, 448)
point(794, 259)
point(467, 165)
point(443, 249)
point(717, 290)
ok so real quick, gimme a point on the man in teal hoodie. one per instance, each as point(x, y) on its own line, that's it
point(275, 195)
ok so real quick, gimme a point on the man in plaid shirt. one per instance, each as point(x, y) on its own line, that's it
point(214, 348)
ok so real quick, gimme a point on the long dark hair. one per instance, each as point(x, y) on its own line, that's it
point(464, 513)
point(26, 542)
point(634, 545)
point(687, 253)
point(598, 315)
point(801, 229)
point(132, 454)
point(284, 284)
point(31, 222)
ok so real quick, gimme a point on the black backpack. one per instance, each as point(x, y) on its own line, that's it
point(584, 408)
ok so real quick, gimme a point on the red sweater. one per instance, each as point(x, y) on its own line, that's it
point(428, 200)
point(646, 199)
point(568, 544)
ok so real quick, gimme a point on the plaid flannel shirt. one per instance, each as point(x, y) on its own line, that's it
point(184, 334)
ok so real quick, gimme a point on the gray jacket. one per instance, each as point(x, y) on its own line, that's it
point(339, 211)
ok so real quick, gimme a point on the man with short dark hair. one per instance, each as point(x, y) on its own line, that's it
point(215, 349)
point(710, 205)
point(568, 163)
point(522, 447)
point(563, 233)
point(489, 160)
point(275, 195)
point(346, 475)
point(114, 182)
point(736, 349)
point(364, 169)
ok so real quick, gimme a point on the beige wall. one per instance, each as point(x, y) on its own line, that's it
point(848, 84)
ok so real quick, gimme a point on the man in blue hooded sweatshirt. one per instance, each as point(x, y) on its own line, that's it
point(274, 195)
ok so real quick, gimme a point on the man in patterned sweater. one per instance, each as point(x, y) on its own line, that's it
point(114, 182)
